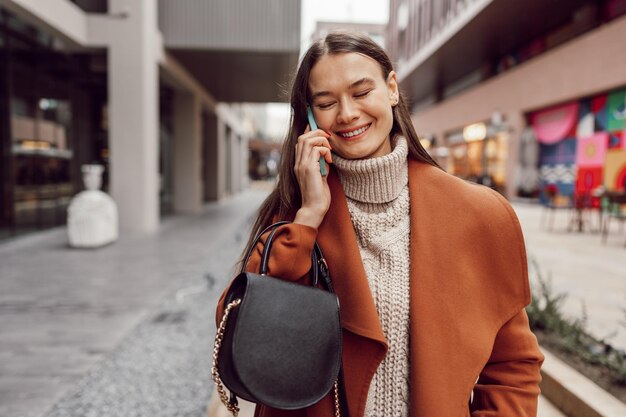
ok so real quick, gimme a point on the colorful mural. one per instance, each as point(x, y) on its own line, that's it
point(617, 140)
point(591, 150)
point(583, 144)
point(586, 119)
point(615, 170)
point(554, 124)
point(616, 111)
point(557, 165)
point(598, 107)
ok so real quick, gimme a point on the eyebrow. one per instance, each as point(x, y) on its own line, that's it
point(357, 83)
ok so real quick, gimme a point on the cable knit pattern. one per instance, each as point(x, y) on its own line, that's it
point(375, 180)
point(378, 199)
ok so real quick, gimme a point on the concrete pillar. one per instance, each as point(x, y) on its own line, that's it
point(235, 148)
point(211, 162)
point(516, 123)
point(222, 148)
point(187, 153)
point(245, 179)
point(133, 115)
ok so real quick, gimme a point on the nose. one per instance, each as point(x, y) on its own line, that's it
point(348, 112)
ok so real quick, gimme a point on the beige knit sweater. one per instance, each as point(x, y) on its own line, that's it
point(378, 199)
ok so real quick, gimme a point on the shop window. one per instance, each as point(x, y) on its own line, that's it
point(482, 161)
point(42, 158)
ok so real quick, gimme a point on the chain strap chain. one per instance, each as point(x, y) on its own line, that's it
point(219, 336)
point(337, 408)
point(233, 408)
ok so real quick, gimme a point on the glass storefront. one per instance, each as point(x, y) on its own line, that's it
point(166, 151)
point(479, 160)
point(46, 106)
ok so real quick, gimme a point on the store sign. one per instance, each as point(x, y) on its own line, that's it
point(555, 124)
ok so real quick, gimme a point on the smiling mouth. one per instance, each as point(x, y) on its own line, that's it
point(355, 132)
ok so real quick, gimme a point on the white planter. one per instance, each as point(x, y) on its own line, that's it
point(92, 219)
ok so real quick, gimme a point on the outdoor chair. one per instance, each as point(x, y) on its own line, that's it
point(552, 201)
point(613, 207)
point(582, 206)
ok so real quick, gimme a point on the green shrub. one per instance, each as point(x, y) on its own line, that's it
point(545, 314)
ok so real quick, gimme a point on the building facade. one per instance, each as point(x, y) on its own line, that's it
point(375, 31)
point(144, 88)
point(515, 94)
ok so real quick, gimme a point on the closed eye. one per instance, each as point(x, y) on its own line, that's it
point(362, 93)
point(325, 106)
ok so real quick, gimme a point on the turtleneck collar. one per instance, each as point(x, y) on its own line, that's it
point(375, 180)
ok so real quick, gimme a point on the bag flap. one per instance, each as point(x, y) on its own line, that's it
point(287, 342)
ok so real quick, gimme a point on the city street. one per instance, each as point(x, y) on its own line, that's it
point(151, 131)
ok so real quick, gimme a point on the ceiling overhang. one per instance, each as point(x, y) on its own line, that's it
point(240, 76)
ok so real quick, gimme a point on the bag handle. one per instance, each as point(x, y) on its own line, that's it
point(318, 263)
point(256, 241)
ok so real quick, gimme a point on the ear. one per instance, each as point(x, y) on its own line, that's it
point(392, 87)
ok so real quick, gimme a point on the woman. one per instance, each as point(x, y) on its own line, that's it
point(430, 271)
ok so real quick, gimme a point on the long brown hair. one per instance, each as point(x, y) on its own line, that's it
point(285, 198)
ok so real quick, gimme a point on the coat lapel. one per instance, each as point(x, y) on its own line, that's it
point(338, 241)
point(447, 333)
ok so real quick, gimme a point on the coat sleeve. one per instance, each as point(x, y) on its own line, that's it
point(290, 256)
point(508, 385)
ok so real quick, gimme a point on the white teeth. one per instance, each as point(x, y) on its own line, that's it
point(355, 132)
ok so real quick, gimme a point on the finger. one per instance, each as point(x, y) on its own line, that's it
point(308, 128)
point(328, 156)
point(313, 133)
point(298, 154)
point(320, 152)
point(309, 142)
point(305, 143)
point(307, 148)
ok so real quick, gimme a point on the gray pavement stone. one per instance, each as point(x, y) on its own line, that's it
point(591, 273)
point(124, 330)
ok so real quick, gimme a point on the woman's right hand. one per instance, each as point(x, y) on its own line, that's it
point(311, 146)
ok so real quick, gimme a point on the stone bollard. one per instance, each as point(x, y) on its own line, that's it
point(92, 214)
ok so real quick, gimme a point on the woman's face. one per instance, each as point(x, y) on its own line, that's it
point(353, 102)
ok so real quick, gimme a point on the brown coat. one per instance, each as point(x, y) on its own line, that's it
point(469, 287)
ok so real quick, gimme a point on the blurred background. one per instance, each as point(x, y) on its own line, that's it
point(184, 105)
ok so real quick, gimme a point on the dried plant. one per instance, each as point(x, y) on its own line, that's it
point(545, 314)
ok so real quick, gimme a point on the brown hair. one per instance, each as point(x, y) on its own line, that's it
point(286, 196)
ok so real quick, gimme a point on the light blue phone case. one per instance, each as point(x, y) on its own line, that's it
point(313, 126)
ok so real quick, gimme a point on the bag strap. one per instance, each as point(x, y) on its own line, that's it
point(256, 241)
point(318, 263)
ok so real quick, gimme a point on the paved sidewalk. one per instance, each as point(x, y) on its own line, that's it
point(124, 330)
point(591, 273)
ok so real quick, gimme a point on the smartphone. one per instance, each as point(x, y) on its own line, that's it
point(313, 125)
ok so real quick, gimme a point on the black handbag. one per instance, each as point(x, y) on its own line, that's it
point(279, 343)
